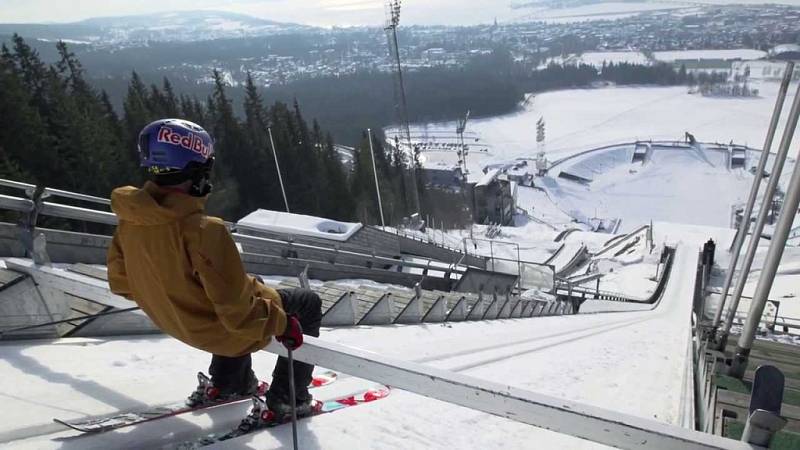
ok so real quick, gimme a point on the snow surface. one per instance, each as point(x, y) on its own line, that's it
point(281, 222)
point(610, 356)
point(598, 58)
point(582, 119)
point(676, 185)
point(743, 53)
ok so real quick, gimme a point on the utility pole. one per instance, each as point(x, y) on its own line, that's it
point(375, 172)
point(393, 20)
point(744, 225)
point(278, 168)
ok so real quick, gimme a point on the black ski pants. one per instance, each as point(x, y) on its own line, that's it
point(233, 374)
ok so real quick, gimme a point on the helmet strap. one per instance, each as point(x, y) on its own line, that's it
point(201, 179)
point(201, 185)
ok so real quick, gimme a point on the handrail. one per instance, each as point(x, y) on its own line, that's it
point(90, 215)
point(55, 192)
point(403, 233)
point(78, 213)
point(58, 210)
point(15, 203)
point(246, 239)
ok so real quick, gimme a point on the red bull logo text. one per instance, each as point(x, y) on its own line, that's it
point(190, 141)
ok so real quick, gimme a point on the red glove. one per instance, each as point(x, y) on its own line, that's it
point(292, 338)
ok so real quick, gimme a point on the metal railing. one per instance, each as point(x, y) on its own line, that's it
point(50, 192)
point(23, 205)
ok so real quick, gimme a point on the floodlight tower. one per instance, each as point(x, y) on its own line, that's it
point(393, 20)
point(463, 150)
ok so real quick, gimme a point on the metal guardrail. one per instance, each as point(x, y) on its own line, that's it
point(55, 192)
point(426, 267)
point(57, 210)
point(103, 217)
point(415, 237)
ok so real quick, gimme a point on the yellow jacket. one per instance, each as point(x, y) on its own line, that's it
point(183, 269)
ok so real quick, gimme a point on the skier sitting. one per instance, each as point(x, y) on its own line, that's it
point(183, 269)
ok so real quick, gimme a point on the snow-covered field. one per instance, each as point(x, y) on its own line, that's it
point(676, 185)
point(580, 119)
point(598, 58)
point(744, 54)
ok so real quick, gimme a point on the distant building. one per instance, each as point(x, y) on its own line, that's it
point(704, 65)
point(444, 177)
point(434, 54)
point(494, 198)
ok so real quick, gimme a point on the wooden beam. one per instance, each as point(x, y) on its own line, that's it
point(560, 415)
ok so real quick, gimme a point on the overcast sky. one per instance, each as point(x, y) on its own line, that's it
point(311, 12)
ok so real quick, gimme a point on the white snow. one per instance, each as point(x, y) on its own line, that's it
point(744, 54)
point(581, 119)
point(676, 185)
point(598, 58)
point(609, 357)
point(282, 222)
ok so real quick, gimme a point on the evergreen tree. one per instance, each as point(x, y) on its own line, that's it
point(23, 139)
point(264, 175)
point(233, 167)
point(339, 204)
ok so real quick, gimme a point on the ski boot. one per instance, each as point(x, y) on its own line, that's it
point(208, 394)
point(266, 413)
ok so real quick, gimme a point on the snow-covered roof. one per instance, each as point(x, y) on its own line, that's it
point(488, 178)
point(784, 48)
point(282, 222)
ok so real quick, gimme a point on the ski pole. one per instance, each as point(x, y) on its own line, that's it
point(293, 399)
point(73, 319)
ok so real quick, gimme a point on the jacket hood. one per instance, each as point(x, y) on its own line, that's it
point(152, 205)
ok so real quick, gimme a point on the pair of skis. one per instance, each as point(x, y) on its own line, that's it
point(318, 408)
point(126, 419)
